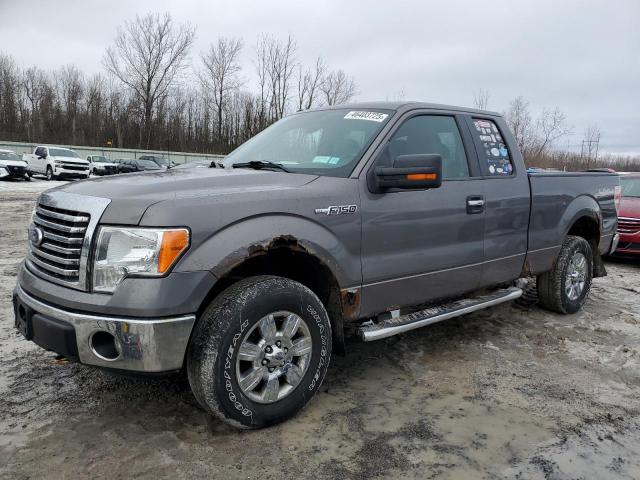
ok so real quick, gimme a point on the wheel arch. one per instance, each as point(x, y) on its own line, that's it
point(298, 260)
point(588, 225)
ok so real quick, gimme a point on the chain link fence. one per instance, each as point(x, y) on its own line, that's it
point(112, 153)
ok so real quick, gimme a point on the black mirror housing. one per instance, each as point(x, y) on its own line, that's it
point(418, 171)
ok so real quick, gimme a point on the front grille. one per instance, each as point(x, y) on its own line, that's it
point(628, 225)
point(16, 170)
point(74, 166)
point(59, 253)
point(629, 246)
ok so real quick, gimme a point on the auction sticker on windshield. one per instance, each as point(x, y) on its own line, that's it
point(371, 116)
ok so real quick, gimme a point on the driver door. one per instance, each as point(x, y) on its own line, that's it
point(424, 244)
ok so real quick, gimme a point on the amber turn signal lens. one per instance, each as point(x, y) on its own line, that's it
point(421, 176)
point(174, 242)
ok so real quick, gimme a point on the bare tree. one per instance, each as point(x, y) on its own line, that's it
point(147, 56)
point(337, 87)
point(519, 120)
point(34, 83)
point(551, 126)
point(221, 74)
point(591, 144)
point(275, 64)
point(71, 86)
point(481, 99)
point(309, 83)
point(10, 105)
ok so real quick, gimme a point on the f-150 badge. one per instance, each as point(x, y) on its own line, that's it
point(337, 210)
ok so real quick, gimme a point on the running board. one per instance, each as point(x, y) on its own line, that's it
point(413, 320)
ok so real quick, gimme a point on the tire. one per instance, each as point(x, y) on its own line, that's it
point(29, 174)
point(49, 174)
point(565, 287)
point(233, 322)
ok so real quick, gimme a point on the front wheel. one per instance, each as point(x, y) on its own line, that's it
point(49, 174)
point(565, 287)
point(259, 352)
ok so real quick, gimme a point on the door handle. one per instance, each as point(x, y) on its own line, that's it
point(475, 204)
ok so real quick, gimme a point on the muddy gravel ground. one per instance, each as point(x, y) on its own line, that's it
point(511, 392)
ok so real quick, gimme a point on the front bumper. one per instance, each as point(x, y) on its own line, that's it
point(80, 171)
point(629, 244)
point(12, 171)
point(140, 344)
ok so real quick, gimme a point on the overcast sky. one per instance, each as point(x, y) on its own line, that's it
point(582, 56)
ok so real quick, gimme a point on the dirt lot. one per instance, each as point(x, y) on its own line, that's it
point(511, 392)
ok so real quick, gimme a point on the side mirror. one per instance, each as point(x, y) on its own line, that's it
point(417, 171)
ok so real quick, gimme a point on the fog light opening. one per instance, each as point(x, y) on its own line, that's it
point(103, 345)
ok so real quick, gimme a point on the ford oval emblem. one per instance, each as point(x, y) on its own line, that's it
point(35, 236)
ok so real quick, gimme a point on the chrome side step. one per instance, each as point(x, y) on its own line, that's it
point(413, 320)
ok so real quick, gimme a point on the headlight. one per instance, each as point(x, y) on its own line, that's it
point(123, 252)
point(57, 162)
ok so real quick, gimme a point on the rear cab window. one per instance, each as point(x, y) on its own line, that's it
point(493, 152)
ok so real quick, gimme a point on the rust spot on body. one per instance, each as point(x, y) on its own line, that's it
point(350, 298)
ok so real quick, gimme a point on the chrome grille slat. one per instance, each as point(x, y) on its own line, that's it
point(62, 216)
point(628, 225)
point(55, 258)
point(52, 268)
point(57, 226)
point(59, 238)
point(59, 249)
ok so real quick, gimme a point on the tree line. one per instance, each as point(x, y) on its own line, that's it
point(154, 95)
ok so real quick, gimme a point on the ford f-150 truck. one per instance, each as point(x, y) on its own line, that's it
point(360, 221)
point(56, 162)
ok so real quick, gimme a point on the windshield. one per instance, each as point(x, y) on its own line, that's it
point(325, 142)
point(100, 159)
point(62, 152)
point(9, 156)
point(148, 164)
point(630, 187)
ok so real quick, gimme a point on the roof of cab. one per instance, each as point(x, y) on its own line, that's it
point(404, 106)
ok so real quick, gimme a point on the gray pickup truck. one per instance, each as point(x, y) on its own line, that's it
point(360, 221)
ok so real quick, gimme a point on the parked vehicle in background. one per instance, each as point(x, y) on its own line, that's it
point(159, 159)
point(12, 165)
point(196, 164)
point(99, 165)
point(137, 165)
point(629, 216)
point(56, 162)
point(372, 219)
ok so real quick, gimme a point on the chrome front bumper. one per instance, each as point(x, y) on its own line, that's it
point(142, 345)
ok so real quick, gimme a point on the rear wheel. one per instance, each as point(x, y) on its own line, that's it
point(565, 287)
point(259, 351)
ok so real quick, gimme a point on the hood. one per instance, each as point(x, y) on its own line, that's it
point(70, 159)
point(132, 194)
point(13, 163)
point(630, 207)
point(103, 164)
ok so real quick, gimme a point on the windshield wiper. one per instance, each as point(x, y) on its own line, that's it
point(259, 164)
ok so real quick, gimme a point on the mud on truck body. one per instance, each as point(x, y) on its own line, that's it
point(365, 220)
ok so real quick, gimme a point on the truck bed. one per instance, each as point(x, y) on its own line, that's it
point(558, 199)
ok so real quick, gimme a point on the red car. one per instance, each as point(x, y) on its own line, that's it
point(629, 215)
